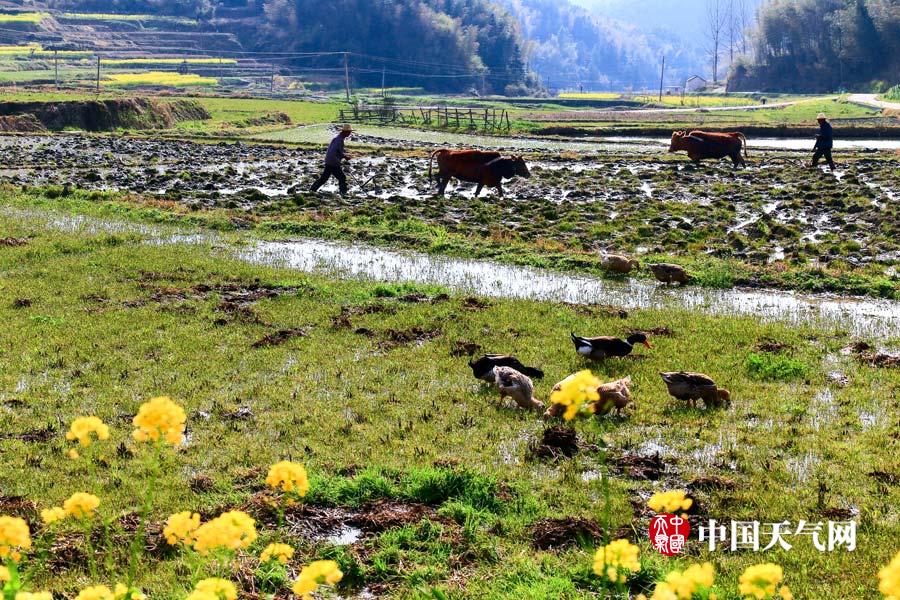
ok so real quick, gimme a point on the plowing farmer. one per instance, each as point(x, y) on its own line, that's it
point(333, 158)
point(824, 142)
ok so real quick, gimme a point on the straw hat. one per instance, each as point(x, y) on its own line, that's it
point(821, 117)
point(346, 129)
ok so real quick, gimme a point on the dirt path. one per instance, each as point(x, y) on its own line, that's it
point(872, 100)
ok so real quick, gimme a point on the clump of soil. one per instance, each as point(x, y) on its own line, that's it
point(21, 303)
point(472, 303)
point(772, 346)
point(710, 482)
point(17, 506)
point(639, 466)
point(42, 436)
point(279, 337)
point(11, 242)
point(464, 348)
point(554, 534)
point(880, 359)
point(557, 441)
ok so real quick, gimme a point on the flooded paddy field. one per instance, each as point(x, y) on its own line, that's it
point(775, 215)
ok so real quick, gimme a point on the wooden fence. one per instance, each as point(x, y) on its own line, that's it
point(473, 119)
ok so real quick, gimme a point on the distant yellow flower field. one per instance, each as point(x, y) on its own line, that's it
point(23, 17)
point(168, 61)
point(121, 17)
point(159, 78)
point(590, 96)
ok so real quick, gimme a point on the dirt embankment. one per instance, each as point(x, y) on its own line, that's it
point(99, 115)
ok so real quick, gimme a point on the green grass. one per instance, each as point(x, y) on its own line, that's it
point(74, 16)
point(893, 93)
point(105, 329)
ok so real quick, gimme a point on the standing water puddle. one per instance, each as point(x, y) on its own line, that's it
point(860, 316)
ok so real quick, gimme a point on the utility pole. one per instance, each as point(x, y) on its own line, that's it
point(98, 74)
point(56, 67)
point(347, 74)
point(272, 81)
point(662, 73)
point(383, 95)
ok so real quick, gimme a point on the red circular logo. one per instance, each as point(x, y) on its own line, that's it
point(669, 533)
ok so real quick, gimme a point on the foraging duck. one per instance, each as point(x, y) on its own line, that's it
point(483, 368)
point(616, 263)
point(599, 348)
point(615, 394)
point(669, 273)
point(691, 387)
point(517, 386)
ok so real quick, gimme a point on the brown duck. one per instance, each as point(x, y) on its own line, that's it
point(616, 263)
point(613, 395)
point(599, 348)
point(669, 273)
point(517, 386)
point(691, 387)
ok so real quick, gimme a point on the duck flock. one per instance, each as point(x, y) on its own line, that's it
point(513, 379)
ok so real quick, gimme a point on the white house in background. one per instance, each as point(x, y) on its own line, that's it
point(694, 83)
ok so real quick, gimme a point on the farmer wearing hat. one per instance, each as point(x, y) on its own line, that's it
point(333, 158)
point(824, 142)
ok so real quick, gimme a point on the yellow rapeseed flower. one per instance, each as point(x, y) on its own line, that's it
point(232, 530)
point(95, 592)
point(288, 477)
point(682, 585)
point(180, 527)
point(669, 502)
point(73, 454)
point(82, 428)
point(4, 574)
point(52, 515)
point(760, 581)
point(889, 579)
point(221, 589)
point(575, 391)
point(81, 505)
point(282, 552)
point(616, 560)
point(121, 591)
point(320, 572)
point(160, 418)
point(14, 537)
point(34, 596)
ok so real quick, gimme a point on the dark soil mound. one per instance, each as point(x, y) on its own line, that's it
point(21, 124)
point(549, 534)
point(106, 115)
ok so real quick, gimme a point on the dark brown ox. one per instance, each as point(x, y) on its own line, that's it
point(703, 144)
point(476, 166)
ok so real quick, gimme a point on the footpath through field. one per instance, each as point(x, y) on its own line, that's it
point(872, 100)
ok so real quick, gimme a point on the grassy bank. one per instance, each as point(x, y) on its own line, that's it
point(413, 427)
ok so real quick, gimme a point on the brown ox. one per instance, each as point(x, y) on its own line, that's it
point(703, 144)
point(476, 166)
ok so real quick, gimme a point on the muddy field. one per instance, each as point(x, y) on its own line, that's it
point(775, 210)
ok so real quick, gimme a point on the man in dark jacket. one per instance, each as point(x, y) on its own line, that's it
point(824, 142)
point(333, 158)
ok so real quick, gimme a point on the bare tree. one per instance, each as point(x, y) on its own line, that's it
point(716, 27)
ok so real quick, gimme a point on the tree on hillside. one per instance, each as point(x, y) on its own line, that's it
point(823, 45)
point(716, 27)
